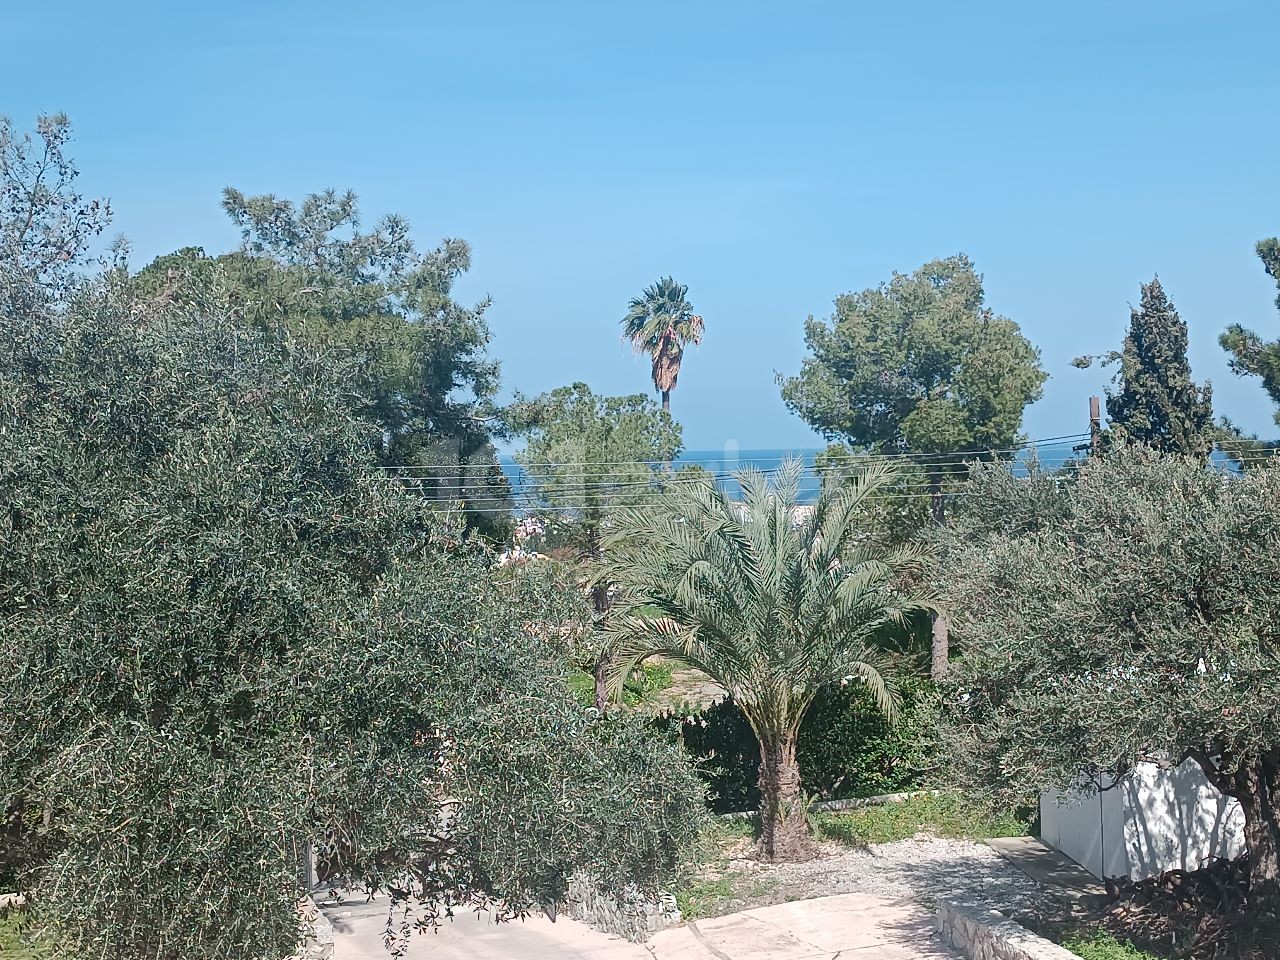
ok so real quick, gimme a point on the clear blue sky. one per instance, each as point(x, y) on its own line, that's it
point(770, 156)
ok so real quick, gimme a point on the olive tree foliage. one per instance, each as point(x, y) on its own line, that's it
point(225, 638)
point(773, 603)
point(1124, 614)
point(311, 271)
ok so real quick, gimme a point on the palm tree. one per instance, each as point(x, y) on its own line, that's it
point(661, 322)
point(771, 600)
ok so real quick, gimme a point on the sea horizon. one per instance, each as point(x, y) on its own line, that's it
point(723, 463)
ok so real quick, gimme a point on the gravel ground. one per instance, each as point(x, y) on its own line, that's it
point(925, 868)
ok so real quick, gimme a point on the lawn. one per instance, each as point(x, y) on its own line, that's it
point(15, 937)
point(947, 815)
point(650, 679)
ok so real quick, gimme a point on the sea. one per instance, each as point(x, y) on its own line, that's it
point(722, 464)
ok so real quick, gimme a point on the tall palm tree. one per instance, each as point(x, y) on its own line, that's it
point(771, 600)
point(661, 322)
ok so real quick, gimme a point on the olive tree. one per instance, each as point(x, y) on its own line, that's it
point(227, 635)
point(1126, 613)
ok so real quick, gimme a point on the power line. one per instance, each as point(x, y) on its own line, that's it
point(612, 479)
point(603, 486)
point(613, 507)
point(569, 483)
point(855, 456)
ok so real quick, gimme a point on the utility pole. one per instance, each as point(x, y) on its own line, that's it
point(1095, 426)
point(1094, 446)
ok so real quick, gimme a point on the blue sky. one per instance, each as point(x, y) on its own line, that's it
point(771, 156)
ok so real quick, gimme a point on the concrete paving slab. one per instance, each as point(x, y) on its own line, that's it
point(1048, 867)
point(848, 921)
point(744, 937)
point(855, 926)
point(359, 925)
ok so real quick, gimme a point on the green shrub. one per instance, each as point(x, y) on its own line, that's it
point(847, 748)
point(650, 679)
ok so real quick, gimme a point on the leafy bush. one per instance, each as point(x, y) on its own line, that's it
point(652, 678)
point(847, 748)
point(1122, 614)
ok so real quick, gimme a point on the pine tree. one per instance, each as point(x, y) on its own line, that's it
point(1251, 356)
point(1155, 401)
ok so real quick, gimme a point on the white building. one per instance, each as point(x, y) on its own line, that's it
point(1152, 821)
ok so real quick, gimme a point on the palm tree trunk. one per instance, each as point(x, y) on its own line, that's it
point(600, 601)
point(940, 659)
point(666, 401)
point(784, 826)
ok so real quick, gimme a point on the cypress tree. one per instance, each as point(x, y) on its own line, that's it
point(1155, 401)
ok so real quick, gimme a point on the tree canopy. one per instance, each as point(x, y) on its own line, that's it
point(585, 457)
point(918, 365)
point(1154, 400)
point(661, 323)
point(586, 454)
point(45, 225)
point(310, 273)
point(228, 636)
point(1250, 354)
point(1124, 615)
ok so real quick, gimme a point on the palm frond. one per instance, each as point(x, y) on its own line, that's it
point(767, 603)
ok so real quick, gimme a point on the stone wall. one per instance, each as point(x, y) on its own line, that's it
point(317, 932)
point(982, 935)
point(633, 918)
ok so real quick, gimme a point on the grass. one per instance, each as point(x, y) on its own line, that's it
point(1101, 945)
point(16, 941)
point(650, 679)
point(707, 885)
point(947, 815)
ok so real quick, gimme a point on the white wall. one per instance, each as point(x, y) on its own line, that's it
point(1176, 820)
point(1154, 821)
point(1087, 828)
